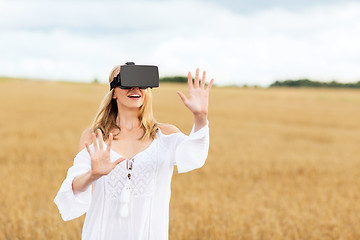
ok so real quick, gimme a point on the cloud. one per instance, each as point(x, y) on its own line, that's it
point(83, 40)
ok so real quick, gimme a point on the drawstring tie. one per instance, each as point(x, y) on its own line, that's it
point(125, 193)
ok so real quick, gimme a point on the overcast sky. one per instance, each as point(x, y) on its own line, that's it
point(237, 42)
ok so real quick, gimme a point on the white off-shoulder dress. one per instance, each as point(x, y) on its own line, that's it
point(150, 187)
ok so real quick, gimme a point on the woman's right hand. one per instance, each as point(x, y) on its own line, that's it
point(100, 159)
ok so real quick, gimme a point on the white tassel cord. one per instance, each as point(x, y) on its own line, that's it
point(125, 193)
point(124, 210)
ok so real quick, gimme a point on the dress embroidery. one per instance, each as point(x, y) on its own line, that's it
point(142, 182)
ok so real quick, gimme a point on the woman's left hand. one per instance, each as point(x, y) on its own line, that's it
point(198, 100)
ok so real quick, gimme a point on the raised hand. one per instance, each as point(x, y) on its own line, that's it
point(198, 100)
point(100, 159)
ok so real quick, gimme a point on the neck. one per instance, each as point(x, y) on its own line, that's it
point(129, 119)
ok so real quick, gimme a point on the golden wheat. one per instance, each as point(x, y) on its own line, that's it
point(283, 163)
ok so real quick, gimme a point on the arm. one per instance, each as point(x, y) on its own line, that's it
point(73, 205)
point(187, 152)
point(74, 196)
point(82, 182)
point(191, 151)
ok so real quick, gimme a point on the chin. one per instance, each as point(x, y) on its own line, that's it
point(134, 105)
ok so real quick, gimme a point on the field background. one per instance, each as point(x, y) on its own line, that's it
point(283, 163)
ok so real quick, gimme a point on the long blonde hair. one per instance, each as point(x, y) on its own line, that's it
point(105, 119)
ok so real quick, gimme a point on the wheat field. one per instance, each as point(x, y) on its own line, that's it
point(283, 163)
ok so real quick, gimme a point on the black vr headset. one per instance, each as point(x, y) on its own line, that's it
point(141, 76)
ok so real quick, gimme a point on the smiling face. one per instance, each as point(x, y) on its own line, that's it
point(129, 98)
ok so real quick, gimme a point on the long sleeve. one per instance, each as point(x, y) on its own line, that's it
point(191, 151)
point(72, 205)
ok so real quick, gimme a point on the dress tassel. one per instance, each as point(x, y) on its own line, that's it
point(124, 210)
point(125, 193)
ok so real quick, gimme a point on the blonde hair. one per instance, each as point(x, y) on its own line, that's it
point(105, 119)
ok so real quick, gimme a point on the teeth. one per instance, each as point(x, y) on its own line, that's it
point(134, 95)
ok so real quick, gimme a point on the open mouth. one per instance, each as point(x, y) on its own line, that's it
point(134, 96)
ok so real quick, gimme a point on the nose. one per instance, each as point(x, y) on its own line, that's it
point(135, 88)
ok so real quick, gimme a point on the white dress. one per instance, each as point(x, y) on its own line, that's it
point(148, 208)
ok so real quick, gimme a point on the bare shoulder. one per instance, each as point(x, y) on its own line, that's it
point(85, 138)
point(168, 129)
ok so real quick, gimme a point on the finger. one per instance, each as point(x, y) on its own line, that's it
point(210, 85)
point(100, 136)
point(110, 142)
point(196, 81)
point(190, 83)
point(119, 160)
point(88, 149)
point(93, 136)
point(202, 83)
point(182, 96)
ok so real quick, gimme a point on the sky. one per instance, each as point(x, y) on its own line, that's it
point(236, 42)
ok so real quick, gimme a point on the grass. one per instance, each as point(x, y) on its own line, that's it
point(283, 163)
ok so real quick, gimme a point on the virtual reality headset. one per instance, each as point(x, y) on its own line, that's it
point(141, 76)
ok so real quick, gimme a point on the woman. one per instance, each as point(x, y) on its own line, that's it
point(121, 176)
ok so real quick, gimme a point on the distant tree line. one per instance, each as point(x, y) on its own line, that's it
point(310, 83)
point(174, 79)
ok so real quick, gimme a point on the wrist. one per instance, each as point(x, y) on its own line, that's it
point(94, 176)
point(200, 121)
point(200, 117)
